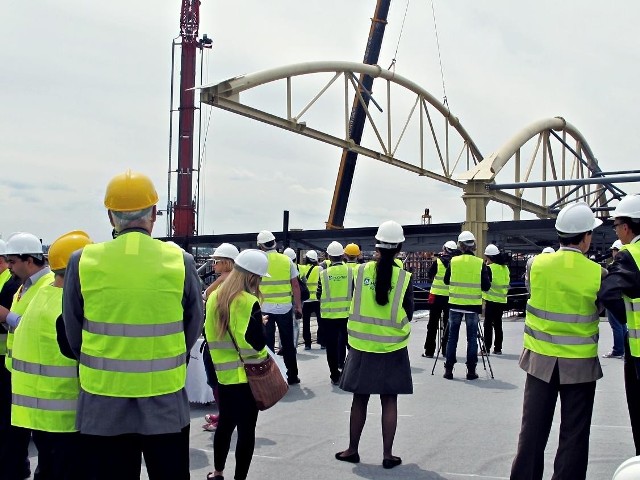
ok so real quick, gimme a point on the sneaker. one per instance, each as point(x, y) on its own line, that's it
point(211, 418)
point(307, 347)
point(497, 352)
point(293, 380)
point(612, 355)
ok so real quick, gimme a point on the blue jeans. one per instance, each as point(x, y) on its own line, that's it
point(471, 320)
point(619, 331)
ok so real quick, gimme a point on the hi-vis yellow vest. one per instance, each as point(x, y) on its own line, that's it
point(500, 278)
point(438, 287)
point(277, 288)
point(44, 383)
point(312, 281)
point(632, 306)
point(133, 342)
point(335, 301)
point(4, 278)
point(229, 369)
point(378, 328)
point(465, 280)
point(19, 306)
point(562, 319)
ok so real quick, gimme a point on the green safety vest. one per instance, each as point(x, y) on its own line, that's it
point(378, 328)
point(562, 319)
point(19, 306)
point(312, 281)
point(500, 278)
point(133, 342)
point(44, 383)
point(4, 278)
point(465, 280)
point(224, 355)
point(632, 306)
point(277, 288)
point(438, 287)
point(335, 300)
point(352, 265)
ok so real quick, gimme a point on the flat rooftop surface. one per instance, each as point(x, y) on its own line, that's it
point(448, 429)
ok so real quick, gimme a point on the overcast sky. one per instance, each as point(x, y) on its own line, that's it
point(85, 95)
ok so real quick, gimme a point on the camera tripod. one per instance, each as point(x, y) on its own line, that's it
point(482, 348)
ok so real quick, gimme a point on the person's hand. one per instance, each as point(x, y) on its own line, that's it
point(265, 319)
point(298, 313)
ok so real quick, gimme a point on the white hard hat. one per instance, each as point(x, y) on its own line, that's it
point(335, 249)
point(265, 236)
point(617, 245)
point(312, 255)
point(491, 250)
point(3, 247)
point(548, 250)
point(22, 243)
point(389, 234)
point(291, 253)
point(226, 250)
point(628, 470)
point(450, 245)
point(576, 218)
point(466, 236)
point(629, 206)
point(253, 261)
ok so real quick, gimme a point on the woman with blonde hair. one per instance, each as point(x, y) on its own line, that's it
point(234, 322)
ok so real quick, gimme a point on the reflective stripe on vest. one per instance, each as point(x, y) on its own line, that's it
point(562, 319)
point(19, 306)
point(312, 280)
point(438, 287)
point(337, 282)
point(44, 382)
point(229, 368)
point(378, 328)
point(277, 288)
point(499, 284)
point(465, 280)
point(632, 306)
point(133, 343)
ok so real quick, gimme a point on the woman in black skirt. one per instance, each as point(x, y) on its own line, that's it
point(379, 329)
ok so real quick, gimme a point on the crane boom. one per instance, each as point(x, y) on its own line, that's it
point(357, 119)
point(184, 212)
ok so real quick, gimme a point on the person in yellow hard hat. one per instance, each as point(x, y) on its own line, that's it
point(27, 262)
point(132, 312)
point(45, 382)
point(352, 253)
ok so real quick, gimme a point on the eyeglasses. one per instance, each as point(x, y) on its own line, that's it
point(616, 225)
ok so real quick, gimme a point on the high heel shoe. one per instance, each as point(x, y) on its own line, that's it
point(391, 462)
point(353, 458)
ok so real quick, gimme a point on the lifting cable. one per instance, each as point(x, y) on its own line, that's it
point(435, 27)
point(393, 62)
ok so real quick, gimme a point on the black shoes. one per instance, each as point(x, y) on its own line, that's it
point(293, 380)
point(471, 373)
point(426, 355)
point(391, 462)
point(497, 352)
point(353, 458)
point(448, 372)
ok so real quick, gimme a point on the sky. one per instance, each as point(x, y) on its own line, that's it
point(85, 86)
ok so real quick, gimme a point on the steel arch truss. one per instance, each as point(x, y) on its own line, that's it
point(548, 150)
point(442, 150)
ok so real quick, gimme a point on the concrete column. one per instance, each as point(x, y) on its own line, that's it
point(516, 213)
point(476, 198)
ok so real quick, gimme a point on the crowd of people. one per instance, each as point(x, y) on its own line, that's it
point(97, 335)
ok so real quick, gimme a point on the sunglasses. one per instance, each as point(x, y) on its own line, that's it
point(616, 225)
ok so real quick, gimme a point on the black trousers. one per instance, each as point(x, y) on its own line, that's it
point(166, 456)
point(284, 321)
point(576, 407)
point(60, 456)
point(237, 410)
point(493, 321)
point(438, 310)
point(307, 309)
point(335, 337)
point(632, 390)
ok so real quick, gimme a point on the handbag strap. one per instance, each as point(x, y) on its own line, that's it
point(235, 345)
point(309, 272)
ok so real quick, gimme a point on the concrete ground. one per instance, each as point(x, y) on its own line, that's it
point(450, 430)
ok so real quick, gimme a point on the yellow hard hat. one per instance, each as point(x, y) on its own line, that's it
point(352, 250)
point(61, 249)
point(130, 191)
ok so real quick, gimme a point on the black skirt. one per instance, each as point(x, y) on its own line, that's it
point(377, 373)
